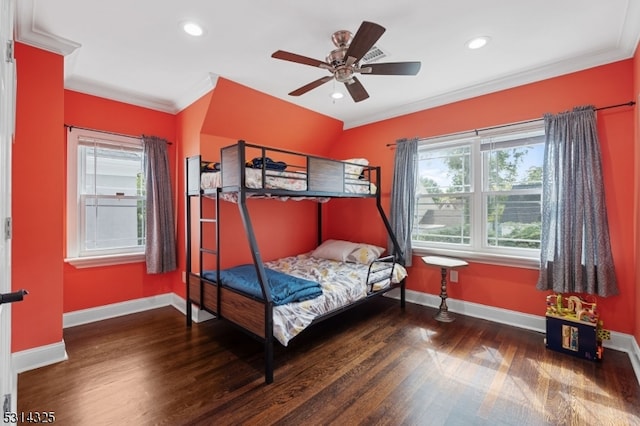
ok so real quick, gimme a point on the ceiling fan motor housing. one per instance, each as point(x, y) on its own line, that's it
point(336, 57)
point(341, 38)
point(341, 71)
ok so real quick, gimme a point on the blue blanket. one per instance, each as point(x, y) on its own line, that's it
point(284, 288)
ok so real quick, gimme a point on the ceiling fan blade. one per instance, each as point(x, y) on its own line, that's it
point(294, 57)
point(356, 90)
point(304, 89)
point(363, 41)
point(391, 68)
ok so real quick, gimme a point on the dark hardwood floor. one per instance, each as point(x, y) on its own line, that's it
point(373, 365)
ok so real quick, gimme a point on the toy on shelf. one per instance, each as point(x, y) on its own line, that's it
point(574, 327)
point(572, 307)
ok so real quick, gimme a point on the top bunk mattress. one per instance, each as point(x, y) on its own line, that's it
point(249, 169)
point(290, 181)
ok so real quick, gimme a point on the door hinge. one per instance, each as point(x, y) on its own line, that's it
point(6, 405)
point(9, 57)
point(7, 228)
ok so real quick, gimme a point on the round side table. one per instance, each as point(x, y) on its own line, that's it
point(444, 263)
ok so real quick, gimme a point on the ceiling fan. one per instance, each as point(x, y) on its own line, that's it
point(344, 61)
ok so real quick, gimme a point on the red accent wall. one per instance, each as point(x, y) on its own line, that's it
point(508, 287)
point(238, 112)
point(37, 198)
point(92, 287)
point(38, 201)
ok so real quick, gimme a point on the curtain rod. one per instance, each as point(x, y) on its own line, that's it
point(630, 103)
point(71, 127)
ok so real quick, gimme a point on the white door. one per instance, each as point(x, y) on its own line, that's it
point(8, 378)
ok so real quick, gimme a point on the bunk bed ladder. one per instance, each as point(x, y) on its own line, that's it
point(187, 215)
point(203, 249)
point(193, 193)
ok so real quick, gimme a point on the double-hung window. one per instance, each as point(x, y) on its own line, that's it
point(479, 196)
point(105, 198)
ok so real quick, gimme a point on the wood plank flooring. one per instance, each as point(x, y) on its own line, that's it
point(373, 365)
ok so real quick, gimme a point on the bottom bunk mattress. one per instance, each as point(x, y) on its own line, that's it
point(342, 284)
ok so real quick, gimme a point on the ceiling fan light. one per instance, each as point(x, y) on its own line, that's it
point(477, 42)
point(337, 95)
point(192, 28)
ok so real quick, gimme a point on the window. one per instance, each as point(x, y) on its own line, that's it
point(480, 196)
point(105, 199)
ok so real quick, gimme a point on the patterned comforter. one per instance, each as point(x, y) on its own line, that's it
point(342, 284)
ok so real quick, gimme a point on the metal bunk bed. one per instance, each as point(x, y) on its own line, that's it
point(320, 179)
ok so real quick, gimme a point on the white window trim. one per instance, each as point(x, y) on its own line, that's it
point(527, 259)
point(105, 260)
point(73, 244)
point(488, 258)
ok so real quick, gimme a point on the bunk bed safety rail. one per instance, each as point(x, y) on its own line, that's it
point(315, 174)
point(232, 158)
point(193, 174)
point(380, 271)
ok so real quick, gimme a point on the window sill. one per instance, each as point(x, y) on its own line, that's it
point(115, 259)
point(488, 258)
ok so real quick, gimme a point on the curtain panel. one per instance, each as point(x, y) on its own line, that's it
point(403, 196)
point(575, 255)
point(160, 249)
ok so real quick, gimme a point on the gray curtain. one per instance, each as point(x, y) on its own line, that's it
point(403, 196)
point(575, 247)
point(161, 242)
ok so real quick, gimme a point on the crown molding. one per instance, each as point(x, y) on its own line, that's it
point(565, 66)
point(91, 87)
point(28, 33)
point(198, 90)
point(94, 88)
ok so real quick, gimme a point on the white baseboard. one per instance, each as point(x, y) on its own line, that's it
point(490, 313)
point(197, 314)
point(85, 316)
point(619, 341)
point(41, 356)
point(634, 356)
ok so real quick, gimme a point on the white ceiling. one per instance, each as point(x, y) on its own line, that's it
point(136, 52)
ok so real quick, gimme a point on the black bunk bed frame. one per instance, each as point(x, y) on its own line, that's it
point(325, 178)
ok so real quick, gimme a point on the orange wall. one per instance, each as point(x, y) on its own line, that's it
point(92, 287)
point(37, 198)
point(238, 112)
point(507, 287)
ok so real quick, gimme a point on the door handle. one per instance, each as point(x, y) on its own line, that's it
point(16, 296)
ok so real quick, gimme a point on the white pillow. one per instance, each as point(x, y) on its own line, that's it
point(353, 171)
point(334, 250)
point(365, 254)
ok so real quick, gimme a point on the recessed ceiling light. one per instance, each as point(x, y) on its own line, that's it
point(192, 28)
point(478, 42)
point(337, 95)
